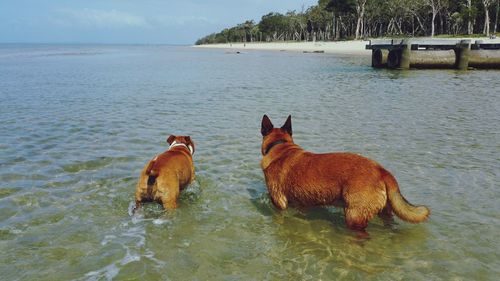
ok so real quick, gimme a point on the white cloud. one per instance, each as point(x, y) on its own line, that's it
point(114, 18)
point(181, 20)
point(101, 18)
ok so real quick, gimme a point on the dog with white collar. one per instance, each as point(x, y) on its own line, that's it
point(166, 175)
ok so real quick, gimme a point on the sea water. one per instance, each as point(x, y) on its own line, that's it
point(78, 123)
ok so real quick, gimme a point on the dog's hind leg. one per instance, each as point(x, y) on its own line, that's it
point(360, 207)
point(168, 201)
point(168, 204)
point(140, 193)
point(355, 218)
point(138, 205)
point(140, 197)
point(167, 193)
point(386, 213)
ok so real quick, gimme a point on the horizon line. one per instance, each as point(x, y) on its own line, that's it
point(93, 43)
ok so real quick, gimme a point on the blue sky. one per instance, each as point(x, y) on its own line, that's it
point(128, 21)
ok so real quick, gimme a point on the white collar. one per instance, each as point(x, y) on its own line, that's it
point(174, 144)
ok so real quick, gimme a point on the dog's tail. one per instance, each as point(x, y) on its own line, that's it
point(152, 175)
point(401, 207)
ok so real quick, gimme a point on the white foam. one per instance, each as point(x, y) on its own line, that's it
point(130, 258)
point(160, 221)
point(131, 207)
point(150, 255)
point(16, 231)
point(108, 272)
point(107, 239)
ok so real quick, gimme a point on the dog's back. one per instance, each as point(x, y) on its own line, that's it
point(167, 174)
point(319, 179)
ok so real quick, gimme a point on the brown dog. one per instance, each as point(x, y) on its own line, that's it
point(167, 174)
point(295, 176)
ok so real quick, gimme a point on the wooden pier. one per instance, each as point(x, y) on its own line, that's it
point(434, 53)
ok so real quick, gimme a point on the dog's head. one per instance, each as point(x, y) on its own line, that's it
point(273, 136)
point(181, 140)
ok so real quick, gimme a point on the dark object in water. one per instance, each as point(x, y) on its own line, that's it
point(314, 52)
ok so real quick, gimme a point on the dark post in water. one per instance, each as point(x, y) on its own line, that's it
point(404, 62)
point(462, 53)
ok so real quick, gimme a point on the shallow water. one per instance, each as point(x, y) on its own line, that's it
point(79, 122)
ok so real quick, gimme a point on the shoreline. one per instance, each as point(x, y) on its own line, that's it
point(353, 47)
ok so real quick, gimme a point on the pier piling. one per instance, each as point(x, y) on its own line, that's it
point(394, 58)
point(462, 55)
point(404, 62)
point(379, 58)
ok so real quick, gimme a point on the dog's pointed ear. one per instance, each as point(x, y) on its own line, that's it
point(170, 139)
point(267, 126)
point(188, 138)
point(287, 127)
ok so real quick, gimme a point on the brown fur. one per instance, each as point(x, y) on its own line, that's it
point(295, 176)
point(166, 175)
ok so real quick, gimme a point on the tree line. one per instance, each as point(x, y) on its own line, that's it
point(357, 19)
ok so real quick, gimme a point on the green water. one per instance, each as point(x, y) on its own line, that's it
point(79, 122)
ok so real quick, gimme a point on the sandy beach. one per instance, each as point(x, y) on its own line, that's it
point(343, 47)
point(353, 47)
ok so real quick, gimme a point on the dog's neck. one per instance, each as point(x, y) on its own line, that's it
point(175, 144)
point(268, 157)
point(273, 144)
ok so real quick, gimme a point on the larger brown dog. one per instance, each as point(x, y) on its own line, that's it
point(295, 176)
point(167, 174)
